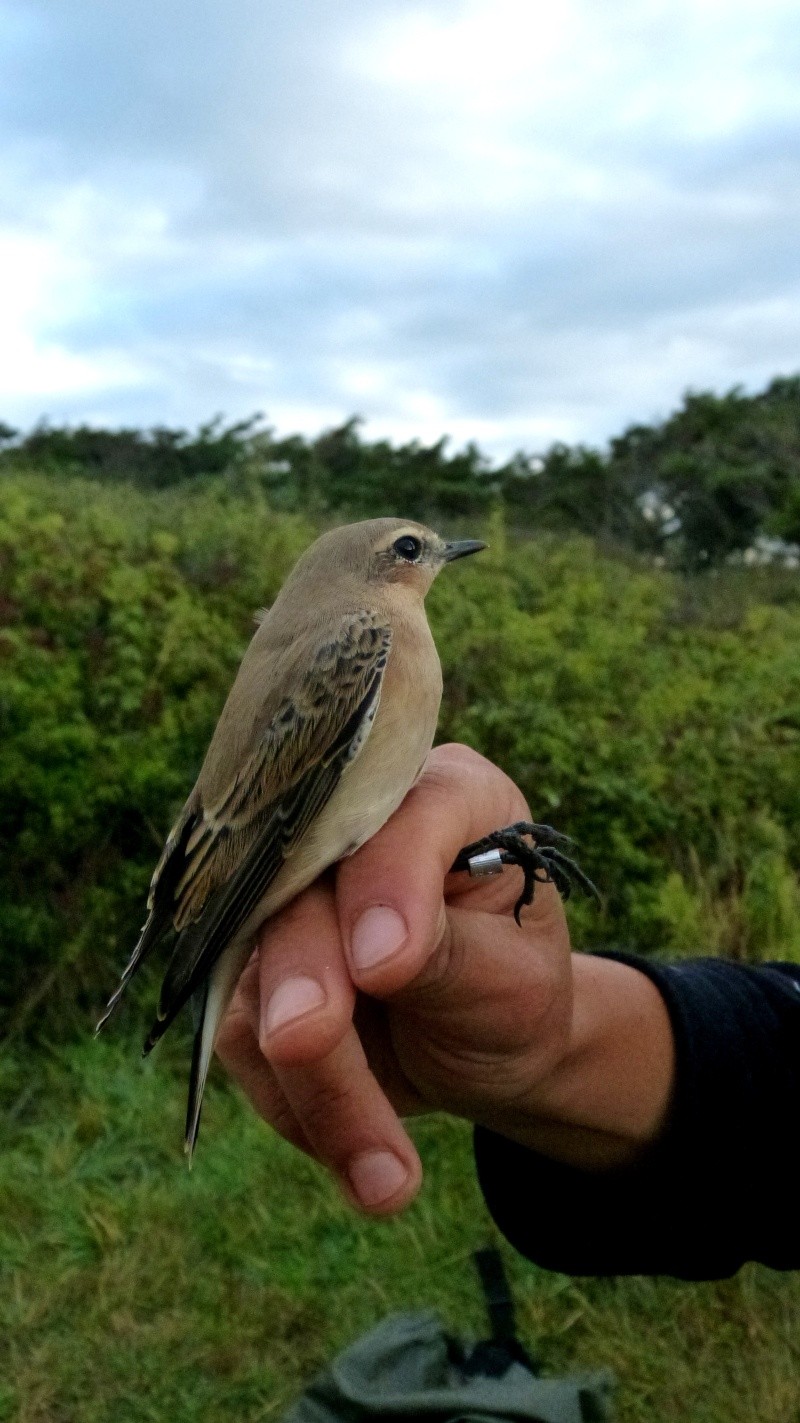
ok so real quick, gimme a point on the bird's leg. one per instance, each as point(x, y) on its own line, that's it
point(542, 861)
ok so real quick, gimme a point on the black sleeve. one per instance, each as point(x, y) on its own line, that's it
point(721, 1185)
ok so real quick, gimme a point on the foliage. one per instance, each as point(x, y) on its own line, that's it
point(654, 718)
point(720, 472)
point(122, 619)
point(719, 478)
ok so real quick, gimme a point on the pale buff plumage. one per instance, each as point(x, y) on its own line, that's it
point(325, 729)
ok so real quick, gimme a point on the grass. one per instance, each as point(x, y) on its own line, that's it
point(133, 1290)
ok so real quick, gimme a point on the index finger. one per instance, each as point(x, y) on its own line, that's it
point(390, 892)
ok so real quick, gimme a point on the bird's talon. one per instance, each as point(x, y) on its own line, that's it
point(543, 861)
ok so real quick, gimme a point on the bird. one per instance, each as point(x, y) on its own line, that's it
point(326, 728)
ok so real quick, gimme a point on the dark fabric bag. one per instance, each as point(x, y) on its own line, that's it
point(408, 1367)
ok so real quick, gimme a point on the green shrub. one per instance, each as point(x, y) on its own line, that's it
point(657, 720)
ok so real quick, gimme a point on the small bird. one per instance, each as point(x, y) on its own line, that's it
point(326, 727)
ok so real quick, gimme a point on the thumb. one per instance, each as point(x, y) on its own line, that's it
point(390, 894)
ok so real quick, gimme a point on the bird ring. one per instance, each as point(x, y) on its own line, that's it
point(490, 862)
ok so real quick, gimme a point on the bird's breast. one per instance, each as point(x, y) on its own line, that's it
point(403, 732)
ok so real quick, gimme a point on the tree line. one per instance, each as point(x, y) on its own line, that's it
point(717, 480)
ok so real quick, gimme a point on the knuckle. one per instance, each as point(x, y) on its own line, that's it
point(459, 771)
point(324, 1107)
point(446, 960)
point(283, 1121)
point(443, 790)
point(449, 767)
point(456, 756)
point(234, 1032)
point(293, 920)
point(304, 1041)
point(440, 960)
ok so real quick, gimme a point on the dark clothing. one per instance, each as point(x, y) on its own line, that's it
point(720, 1186)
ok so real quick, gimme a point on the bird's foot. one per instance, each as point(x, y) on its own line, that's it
point(543, 861)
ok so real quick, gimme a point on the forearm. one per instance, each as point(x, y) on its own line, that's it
point(717, 1184)
point(608, 1096)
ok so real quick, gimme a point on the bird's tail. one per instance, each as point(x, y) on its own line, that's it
point(209, 1004)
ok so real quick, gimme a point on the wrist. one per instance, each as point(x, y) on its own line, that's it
point(606, 1098)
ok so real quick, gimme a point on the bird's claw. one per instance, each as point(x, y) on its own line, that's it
point(543, 861)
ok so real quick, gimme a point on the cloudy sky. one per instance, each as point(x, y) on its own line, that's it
point(508, 220)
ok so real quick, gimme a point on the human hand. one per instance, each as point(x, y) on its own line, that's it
point(393, 987)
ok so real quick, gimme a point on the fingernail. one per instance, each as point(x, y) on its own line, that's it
point(290, 1000)
point(377, 935)
point(376, 1176)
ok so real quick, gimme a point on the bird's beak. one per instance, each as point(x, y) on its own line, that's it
point(460, 548)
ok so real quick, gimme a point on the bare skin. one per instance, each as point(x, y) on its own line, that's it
point(393, 988)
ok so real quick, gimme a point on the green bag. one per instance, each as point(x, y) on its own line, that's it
point(408, 1367)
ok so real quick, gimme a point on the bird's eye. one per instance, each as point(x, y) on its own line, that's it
point(408, 547)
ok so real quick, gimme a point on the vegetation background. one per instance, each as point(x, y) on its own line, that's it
point(627, 651)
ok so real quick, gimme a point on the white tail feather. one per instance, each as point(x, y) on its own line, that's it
point(217, 994)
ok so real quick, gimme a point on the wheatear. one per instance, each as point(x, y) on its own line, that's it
point(326, 728)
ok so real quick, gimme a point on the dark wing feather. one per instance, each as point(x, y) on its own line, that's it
point(160, 903)
point(235, 853)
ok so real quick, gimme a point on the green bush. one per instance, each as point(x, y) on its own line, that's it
point(656, 719)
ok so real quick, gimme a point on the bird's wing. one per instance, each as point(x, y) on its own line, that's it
point(160, 901)
point(235, 846)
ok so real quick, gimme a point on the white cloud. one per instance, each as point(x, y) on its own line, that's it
point(501, 218)
point(41, 286)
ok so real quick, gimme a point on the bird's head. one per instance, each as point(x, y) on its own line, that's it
point(384, 551)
